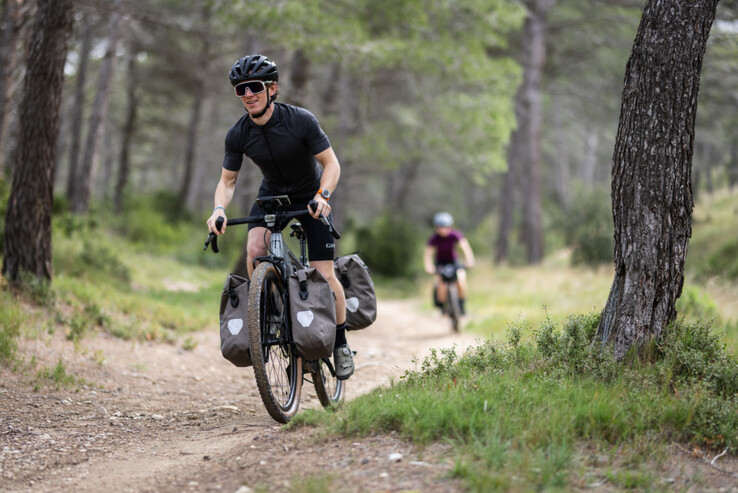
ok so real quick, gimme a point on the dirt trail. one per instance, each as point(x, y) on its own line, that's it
point(154, 417)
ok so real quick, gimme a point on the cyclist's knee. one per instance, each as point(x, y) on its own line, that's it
point(254, 250)
point(325, 267)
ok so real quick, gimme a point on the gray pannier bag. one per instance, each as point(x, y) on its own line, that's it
point(361, 302)
point(313, 313)
point(234, 333)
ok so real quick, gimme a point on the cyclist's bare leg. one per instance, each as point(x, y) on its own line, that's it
point(325, 267)
point(343, 359)
point(256, 246)
point(441, 289)
point(461, 278)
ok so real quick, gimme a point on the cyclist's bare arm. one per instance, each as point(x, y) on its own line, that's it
point(467, 251)
point(223, 196)
point(329, 180)
point(428, 263)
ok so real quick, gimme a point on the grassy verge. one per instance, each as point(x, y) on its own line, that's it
point(541, 415)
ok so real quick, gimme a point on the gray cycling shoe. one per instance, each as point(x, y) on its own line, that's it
point(343, 358)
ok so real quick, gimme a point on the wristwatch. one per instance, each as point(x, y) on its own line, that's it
point(325, 193)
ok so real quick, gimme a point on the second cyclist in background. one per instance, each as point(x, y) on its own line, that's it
point(441, 249)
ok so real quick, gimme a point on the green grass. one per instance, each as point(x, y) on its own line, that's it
point(58, 376)
point(715, 220)
point(521, 415)
point(11, 320)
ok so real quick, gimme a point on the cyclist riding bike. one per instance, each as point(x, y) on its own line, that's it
point(296, 159)
point(440, 250)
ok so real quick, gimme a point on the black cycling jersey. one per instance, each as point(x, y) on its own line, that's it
point(284, 149)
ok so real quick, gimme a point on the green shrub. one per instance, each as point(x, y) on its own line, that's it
point(723, 261)
point(94, 260)
point(713, 248)
point(587, 227)
point(691, 353)
point(57, 375)
point(4, 195)
point(695, 304)
point(11, 319)
point(391, 247)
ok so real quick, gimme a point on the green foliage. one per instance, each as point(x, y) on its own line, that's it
point(390, 246)
point(58, 376)
point(696, 304)
point(85, 250)
point(11, 319)
point(587, 227)
point(4, 196)
point(713, 249)
point(38, 289)
point(692, 353)
point(153, 223)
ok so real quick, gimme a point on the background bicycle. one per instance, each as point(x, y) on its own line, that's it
point(278, 365)
point(451, 305)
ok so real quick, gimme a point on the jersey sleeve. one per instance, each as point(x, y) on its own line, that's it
point(315, 138)
point(233, 158)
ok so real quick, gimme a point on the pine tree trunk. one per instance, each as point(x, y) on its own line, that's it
point(129, 127)
point(11, 24)
point(89, 164)
point(534, 54)
point(78, 106)
point(651, 183)
point(28, 218)
point(196, 111)
point(508, 197)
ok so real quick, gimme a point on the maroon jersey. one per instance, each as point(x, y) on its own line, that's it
point(446, 246)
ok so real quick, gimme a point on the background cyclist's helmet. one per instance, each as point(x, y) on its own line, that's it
point(443, 219)
point(253, 67)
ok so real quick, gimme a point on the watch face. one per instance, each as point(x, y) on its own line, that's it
point(326, 194)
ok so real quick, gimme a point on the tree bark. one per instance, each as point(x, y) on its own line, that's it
point(651, 171)
point(524, 154)
point(28, 218)
point(129, 127)
point(299, 78)
point(11, 25)
point(534, 55)
point(196, 112)
point(88, 169)
point(78, 106)
point(508, 197)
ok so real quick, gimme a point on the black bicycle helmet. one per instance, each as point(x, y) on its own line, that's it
point(253, 67)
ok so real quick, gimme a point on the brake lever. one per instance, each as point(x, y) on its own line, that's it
point(212, 237)
point(332, 229)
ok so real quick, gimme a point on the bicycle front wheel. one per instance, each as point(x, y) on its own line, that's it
point(328, 387)
point(277, 367)
point(454, 308)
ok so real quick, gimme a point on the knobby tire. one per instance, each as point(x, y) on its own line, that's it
point(277, 367)
point(454, 308)
point(328, 387)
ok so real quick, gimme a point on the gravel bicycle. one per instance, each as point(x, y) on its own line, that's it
point(451, 306)
point(278, 366)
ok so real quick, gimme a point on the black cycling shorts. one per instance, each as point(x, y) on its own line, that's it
point(320, 242)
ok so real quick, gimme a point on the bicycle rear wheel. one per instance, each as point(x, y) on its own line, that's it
point(277, 367)
point(328, 387)
point(454, 308)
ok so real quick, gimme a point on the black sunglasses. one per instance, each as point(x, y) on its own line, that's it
point(255, 86)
